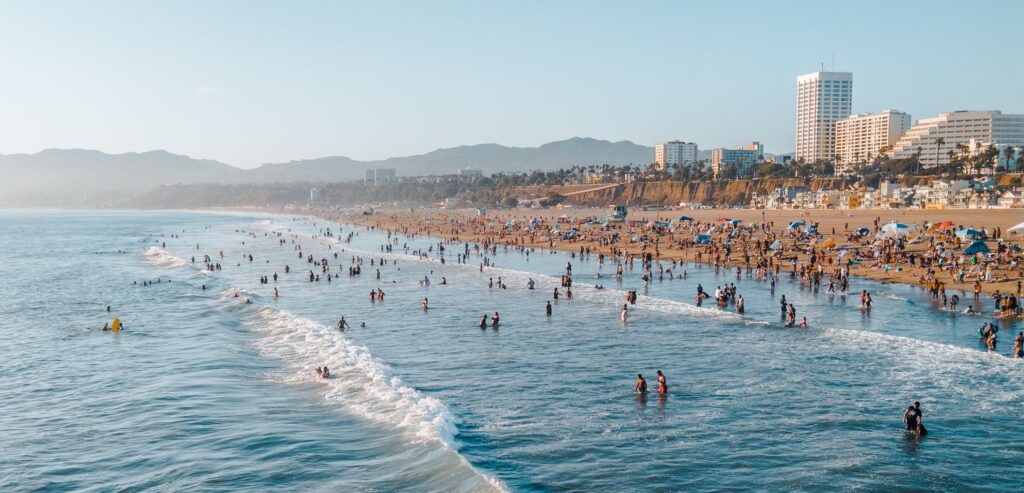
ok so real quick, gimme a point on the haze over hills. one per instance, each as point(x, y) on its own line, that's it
point(61, 177)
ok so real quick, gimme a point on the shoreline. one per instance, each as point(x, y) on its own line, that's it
point(464, 225)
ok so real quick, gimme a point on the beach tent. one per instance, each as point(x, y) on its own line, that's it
point(941, 226)
point(702, 239)
point(964, 233)
point(775, 244)
point(977, 247)
point(863, 232)
point(811, 229)
point(796, 224)
point(895, 230)
point(481, 212)
point(688, 218)
point(1015, 249)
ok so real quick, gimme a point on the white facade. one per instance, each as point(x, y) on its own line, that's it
point(959, 127)
point(745, 159)
point(674, 153)
point(470, 172)
point(822, 98)
point(859, 138)
point(379, 176)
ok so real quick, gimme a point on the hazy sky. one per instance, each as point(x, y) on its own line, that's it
point(253, 82)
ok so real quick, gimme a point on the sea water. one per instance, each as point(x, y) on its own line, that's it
point(203, 391)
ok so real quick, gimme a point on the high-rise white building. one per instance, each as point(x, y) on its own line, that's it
point(969, 128)
point(674, 153)
point(859, 138)
point(822, 98)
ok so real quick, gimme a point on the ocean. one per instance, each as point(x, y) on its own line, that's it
point(211, 386)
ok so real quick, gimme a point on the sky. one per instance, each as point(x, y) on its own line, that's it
point(252, 82)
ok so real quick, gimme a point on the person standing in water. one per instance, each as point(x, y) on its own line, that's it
point(624, 316)
point(641, 384)
point(342, 325)
point(662, 383)
point(547, 309)
point(483, 321)
point(495, 319)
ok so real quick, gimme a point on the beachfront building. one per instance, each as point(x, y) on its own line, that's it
point(934, 137)
point(470, 173)
point(822, 98)
point(743, 158)
point(859, 138)
point(674, 153)
point(379, 176)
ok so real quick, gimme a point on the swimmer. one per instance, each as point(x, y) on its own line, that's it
point(804, 323)
point(547, 309)
point(662, 383)
point(342, 325)
point(319, 372)
point(530, 283)
point(625, 313)
point(641, 384)
point(426, 305)
point(483, 321)
point(495, 319)
point(327, 372)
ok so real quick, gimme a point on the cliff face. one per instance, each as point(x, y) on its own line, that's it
point(710, 193)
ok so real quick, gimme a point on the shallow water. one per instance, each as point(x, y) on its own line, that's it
point(202, 391)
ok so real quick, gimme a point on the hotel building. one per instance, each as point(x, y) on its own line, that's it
point(859, 138)
point(674, 153)
point(970, 128)
point(822, 98)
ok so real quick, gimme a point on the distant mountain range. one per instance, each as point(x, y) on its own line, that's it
point(62, 177)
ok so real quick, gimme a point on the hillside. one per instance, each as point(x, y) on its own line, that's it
point(78, 177)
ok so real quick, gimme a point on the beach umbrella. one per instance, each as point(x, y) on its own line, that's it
point(944, 225)
point(895, 230)
point(723, 220)
point(1015, 249)
point(964, 233)
point(775, 244)
point(796, 224)
point(481, 212)
point(736, 221)
point(702, 239)
point(863, 232)
point(978, 246)
point(1016, 228)
point(811, 229)
point(688, 218)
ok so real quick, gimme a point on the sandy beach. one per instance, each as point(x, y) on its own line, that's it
point(834, 226)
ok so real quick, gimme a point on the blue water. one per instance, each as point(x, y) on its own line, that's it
point(202, 391)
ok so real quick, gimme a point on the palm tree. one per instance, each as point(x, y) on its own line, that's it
point(952, 166)
point(1009, 152)
point(939, 142)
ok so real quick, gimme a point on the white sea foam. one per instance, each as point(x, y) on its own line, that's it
point(362, 383)
point(160, 256)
